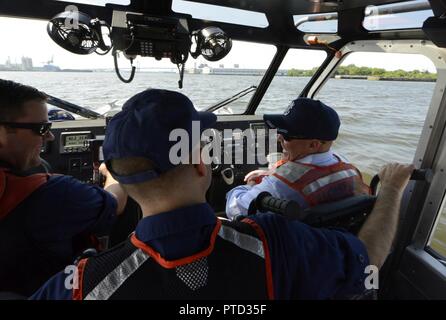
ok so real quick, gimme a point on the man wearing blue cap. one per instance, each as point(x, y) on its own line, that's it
point(181, 250)
point(310, 172)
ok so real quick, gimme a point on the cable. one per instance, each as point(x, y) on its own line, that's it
point(132, 74)
point(180, 67)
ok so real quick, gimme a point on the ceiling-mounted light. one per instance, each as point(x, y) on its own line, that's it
point(212, 43)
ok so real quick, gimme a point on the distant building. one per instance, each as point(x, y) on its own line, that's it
point(27, 64)
point(240, 71)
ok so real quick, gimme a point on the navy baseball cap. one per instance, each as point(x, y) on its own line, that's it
point(306, 119)
point(143, 127)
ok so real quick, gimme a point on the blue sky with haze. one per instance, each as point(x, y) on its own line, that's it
point(30, 39)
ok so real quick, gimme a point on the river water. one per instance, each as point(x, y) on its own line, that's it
point(381, 120)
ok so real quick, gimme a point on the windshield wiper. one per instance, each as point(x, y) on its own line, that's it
point(229, 100)
point(71, 107)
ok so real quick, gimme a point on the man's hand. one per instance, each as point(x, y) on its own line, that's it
point(378, 231)
point(395, 175)
point(113, 187)
point(286, 156)
point(108, 177)
point(255, 177)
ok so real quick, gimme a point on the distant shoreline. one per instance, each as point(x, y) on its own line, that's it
point(352, 71)
point(343, 77)
point(62, 70)
point(379, 78)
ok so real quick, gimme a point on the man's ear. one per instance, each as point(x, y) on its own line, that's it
point(315, 144)
point(201, 168)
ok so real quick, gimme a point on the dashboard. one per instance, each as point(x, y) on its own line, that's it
point(76, 151)
point(73, 151)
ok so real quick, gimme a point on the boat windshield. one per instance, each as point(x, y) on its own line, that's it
point(90, 81)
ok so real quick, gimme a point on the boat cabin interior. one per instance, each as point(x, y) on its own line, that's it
point(182, 34)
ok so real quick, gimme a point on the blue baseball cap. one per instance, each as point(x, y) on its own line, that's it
point(143, 127)
point(306, 119)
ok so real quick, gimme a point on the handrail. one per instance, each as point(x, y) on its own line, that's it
point(71, 107)
point(371, 10)
point(231, 99)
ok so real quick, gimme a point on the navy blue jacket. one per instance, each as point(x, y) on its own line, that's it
point(46, 231)
point(307, 263)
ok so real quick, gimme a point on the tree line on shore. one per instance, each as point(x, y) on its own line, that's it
point(353, 70)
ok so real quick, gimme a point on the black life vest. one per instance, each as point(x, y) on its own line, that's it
point(236, 265)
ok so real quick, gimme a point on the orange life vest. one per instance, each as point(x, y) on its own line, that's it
point(14, 189)
point(321, 184)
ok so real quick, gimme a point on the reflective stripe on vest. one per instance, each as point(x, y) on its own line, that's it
point(292, 171)
point(322, 182)
point(242, 240)
point(108, 286)
point(116, 278)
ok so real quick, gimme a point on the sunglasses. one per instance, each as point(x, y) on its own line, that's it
point(40, 128)
point(287, 137)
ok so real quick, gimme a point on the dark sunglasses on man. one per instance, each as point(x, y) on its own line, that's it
point(288, 137)
point(39, 128)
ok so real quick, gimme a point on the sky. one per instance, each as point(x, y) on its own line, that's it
point(30, 39)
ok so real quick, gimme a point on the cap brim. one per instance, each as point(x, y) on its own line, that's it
point(275, 121)
point(207, 119)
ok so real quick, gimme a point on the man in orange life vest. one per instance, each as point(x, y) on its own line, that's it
point(310, 172)
point(42, 216)
point(181, 250)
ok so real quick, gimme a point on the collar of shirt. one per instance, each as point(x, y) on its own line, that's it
point(10, 168)
point(178, 233)
point(320, 159)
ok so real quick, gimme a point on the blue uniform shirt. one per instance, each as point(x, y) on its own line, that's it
point(63, 208)
point(307, 263)
point(239, 198)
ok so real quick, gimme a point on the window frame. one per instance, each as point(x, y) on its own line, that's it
point(433, 135)
point(297, 92)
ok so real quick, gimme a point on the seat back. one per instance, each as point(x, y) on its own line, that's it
point(347, 213)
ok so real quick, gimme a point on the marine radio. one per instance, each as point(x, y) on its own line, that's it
point(151, 36)
point(75, 142)
point(137, 34)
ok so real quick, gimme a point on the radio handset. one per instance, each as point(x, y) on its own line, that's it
point(97, 158)
point(98, 179)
